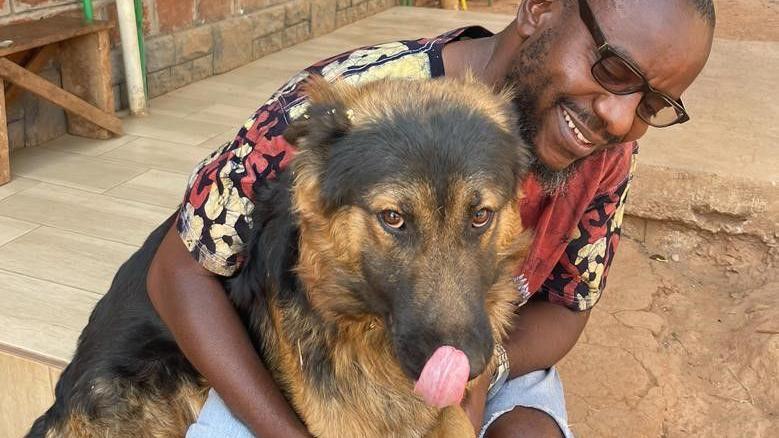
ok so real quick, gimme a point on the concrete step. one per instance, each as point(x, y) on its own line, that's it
point(718, 173)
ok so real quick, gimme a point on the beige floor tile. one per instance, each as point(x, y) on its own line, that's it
point(10, 229)
point(66, 258)
point(54, 373)
point(171, 128)
point(258, 75)
point(178, 106)
point(26, 394)
point(229, 93)
point(86, 213)
point(155, 187)
point(16, 185)
point(87, 146)
point(225, 114)
point(218, 140)
point(159, 154)
point(41, 317)
point(71, 170)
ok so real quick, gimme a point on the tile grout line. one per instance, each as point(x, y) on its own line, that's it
point(118, 198)
point(107, 195)
point(145, 169)
point(12, 272)
point(131, 245)
point(37, 183)
point(126, 164)
point(65, 151)
point(23, 234)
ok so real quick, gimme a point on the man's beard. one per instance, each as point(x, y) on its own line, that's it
point(526, 80)
point(551, 181)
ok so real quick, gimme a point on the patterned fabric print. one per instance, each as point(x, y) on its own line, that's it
point(215, 217)
point(578, 279)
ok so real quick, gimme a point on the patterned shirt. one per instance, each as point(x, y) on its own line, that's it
point(576, 231)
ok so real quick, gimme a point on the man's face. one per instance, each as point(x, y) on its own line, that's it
point(668, 41)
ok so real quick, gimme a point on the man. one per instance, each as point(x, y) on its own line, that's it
point(590, 76)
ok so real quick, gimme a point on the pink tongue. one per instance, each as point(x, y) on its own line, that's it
point(443, 378)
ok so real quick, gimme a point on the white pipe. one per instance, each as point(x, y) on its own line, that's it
point(133, 75)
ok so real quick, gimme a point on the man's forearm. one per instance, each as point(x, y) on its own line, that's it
point(542, 334)
point(209, 331)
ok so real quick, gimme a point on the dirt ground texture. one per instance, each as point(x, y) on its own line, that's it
point(686, 348)
point(679, 349)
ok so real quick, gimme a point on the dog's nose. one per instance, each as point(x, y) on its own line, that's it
point(478, 361)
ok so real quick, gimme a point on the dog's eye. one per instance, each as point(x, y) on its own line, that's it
point(392, 219)
point(480, 218)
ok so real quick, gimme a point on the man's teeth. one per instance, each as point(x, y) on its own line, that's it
point(576, 131)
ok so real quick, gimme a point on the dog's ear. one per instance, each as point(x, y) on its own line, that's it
point(271, 254)
point(326, 119)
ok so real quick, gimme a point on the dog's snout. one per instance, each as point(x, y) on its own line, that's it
point(478, 361)
point(416, 347)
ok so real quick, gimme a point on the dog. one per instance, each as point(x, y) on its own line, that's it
point(381, 258)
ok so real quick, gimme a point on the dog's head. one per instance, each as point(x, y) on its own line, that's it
point(406, 193)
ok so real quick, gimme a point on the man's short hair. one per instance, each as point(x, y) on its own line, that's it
point(704, 7)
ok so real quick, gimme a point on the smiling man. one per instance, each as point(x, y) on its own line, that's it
point(591, 76)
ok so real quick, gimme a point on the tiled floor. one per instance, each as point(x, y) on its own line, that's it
point(77, 208)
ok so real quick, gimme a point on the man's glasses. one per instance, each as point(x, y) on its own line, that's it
point(618, 75)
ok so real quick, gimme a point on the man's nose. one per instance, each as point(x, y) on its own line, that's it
point(618, 112)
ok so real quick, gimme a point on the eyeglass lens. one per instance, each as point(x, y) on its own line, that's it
point(619, 78)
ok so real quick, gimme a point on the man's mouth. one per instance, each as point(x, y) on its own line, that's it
point(575, 130)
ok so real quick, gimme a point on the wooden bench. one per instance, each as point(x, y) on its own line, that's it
point(86, 94)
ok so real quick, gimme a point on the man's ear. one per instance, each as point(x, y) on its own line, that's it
point(534, 15)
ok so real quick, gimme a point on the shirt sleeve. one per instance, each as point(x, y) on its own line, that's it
point(579, 277)
point(215, 218)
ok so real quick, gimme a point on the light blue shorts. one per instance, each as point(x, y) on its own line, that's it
point(540, 390)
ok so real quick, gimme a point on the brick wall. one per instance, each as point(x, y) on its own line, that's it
point(186, 41)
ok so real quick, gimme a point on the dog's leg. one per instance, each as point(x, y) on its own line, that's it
point(453, 423)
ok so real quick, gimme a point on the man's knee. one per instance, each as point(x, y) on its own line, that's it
point(525, 423)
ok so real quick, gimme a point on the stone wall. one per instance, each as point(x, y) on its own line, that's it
point(186, 41)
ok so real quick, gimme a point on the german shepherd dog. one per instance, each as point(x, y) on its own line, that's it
point(381, 258)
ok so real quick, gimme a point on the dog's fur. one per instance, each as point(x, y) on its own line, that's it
point(344, 309)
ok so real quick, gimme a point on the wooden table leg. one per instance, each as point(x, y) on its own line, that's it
point(86, 72)
point(72, 104)
point(5, 163)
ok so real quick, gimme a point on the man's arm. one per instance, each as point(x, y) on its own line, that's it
point(196, 309)
point(542, 334)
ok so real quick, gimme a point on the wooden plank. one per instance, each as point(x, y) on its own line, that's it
point(52, 93)
point(25, 396)
point(38, 33)
point(35, 65)
point(86, 72)
point(5, 163)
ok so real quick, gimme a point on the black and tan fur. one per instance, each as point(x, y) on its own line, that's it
point(343, 309)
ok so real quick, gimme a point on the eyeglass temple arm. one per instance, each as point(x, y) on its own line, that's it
point(589, 20)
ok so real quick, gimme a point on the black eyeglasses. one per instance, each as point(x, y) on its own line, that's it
point(620, 76)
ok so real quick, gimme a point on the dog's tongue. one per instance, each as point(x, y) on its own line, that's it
point(443, 379)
